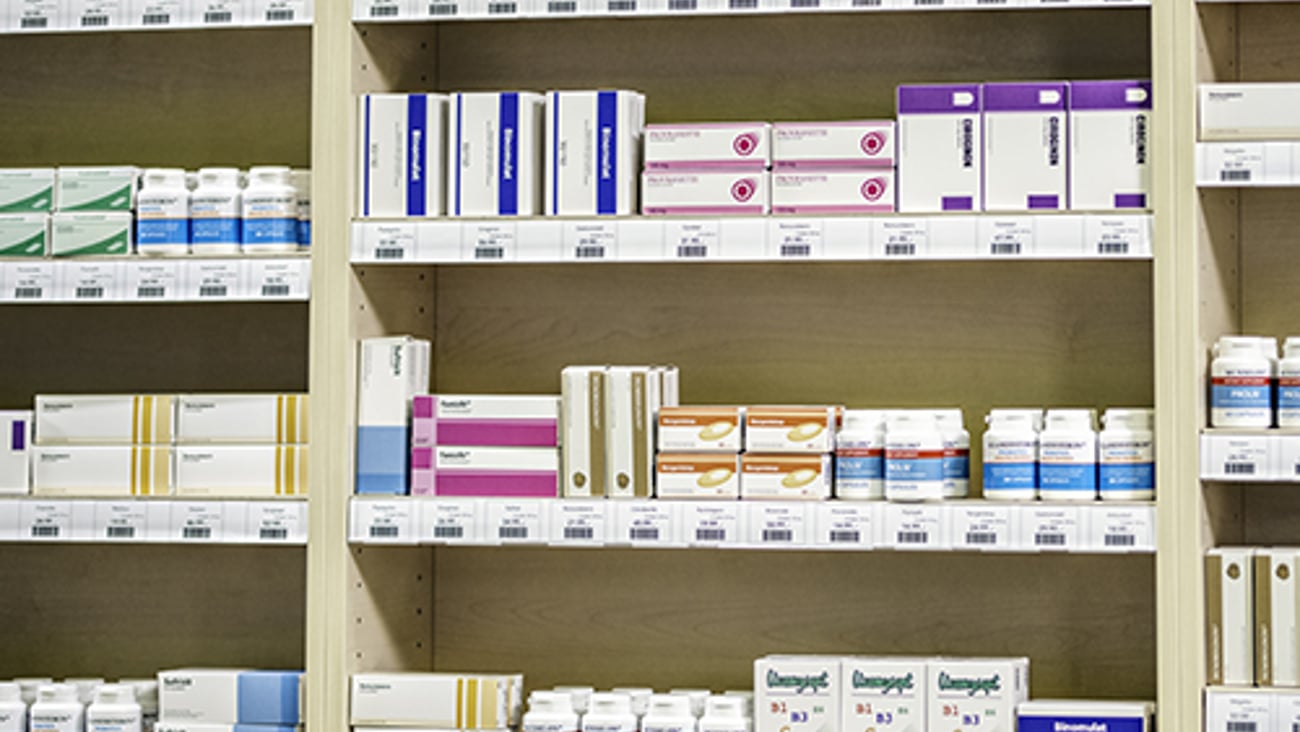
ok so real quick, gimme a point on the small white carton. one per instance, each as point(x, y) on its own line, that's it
point(584, 461)
point(78, 471)
point(791, 429)
point(241, 471)
point(697, 475)
point(241, 419)
point(109, 188)
point(797, 694)
point(885, 694)
point(632, 396)
point(848, 145)
point(975, 694)
point(26, 190)
point(1276, 609)
point(15, 451)
point(1230, 616)
point(80, 234)
point(1250, 111)
point(700, 429)
point(392, 372)
point(494, 154)
point(24, 235)
point(104, 419)
point(737, 146)
point(206, 696)
point(1110, 127)
point(939, 148)
point(403, 139)
point(1025, 146)
point(593, 147)
point(435, 700)
point(1236, 710)
point(785, 477)
point(705, 193)
point(832, 192)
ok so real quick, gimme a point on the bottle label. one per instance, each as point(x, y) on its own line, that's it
point(532, 725)
point(1240, 392)
point(270, 231)
point(914, 465)
point(1127, 477)
point(304, 232)
point(658, 726)
point(610, 726)
point(859, 463)
point(162, 231)
point(13, 721)
point(1068, 477)
point(1288, 400)
point(214, 231)
point(1010, 476)
point(956, 463)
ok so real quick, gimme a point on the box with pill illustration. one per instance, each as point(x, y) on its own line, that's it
point(700, 429)
point(785, 477)
point(790, 429)
point(697, 475)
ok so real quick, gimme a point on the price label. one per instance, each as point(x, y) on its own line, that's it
point(198, 521)
point(97, 14)
point(502, 8)
point(46, 521)
point(977, 527)
point(381, 522)
point(847, 525)
point(579, 522)
point(1237, 457)
point(693, 239)
point(778, 524)
point(1117, 236)
point(153, 281)
point(1007, 237)
point(219, 12)
point(914, 527)
point(93, 281)
point(1286, 463)
point(158, 14)
point(795, 239)
point(277, 522)
point(712, 524)
point(560, 7)
point(30, 281)
point(215, 279)
point(901, 238)
point(490, 242)
point(279, 279)
point(517, 522)
point(646, 523)
point(389, 241)
point(1050, 528)
point(590, 240)
point(444, 8)
point(451, 520)
point(36, 15)
point(1122, 528)
point(121, 521)
point(280, 11)
point(364, 10)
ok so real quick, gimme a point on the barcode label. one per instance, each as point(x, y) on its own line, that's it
point(690, 251)
point(796, 250)
point(590, 252)
point(89, 293)
point(448, 532)
point(384, 11)
point(151, 292)
point(1235, 176)
point(710, 534)
point(913, 537)
point(778, 535)
point(682, 5)
point(196, 532)
point(1239, 468)
point(35, 22)
point(443, 9)
point(1049, 539)
point(502, 8)
point(1121, 540)
point(1005, 248)
point(867, 3)
point(490, 253)
point(990, 2)
point(513, 532)
point(579, 532)
point(94, 21)
point(120, 532)
point(27, 293)
point(273, 533)
point(805, 3)
point(742, 4)
point(906, 249)
point(846, 537)
point(622, 5)
point(282, 14)
point(212, 291)
point(384, 532)
point(562, 6)
point(45, 532)
point(1247, 727)
point(156, 19)
point(275, 290)
point(643, 533)
point(1112, 247)
point(223, 16)
point(981, 537)
point(928, 3)
point(390, 253)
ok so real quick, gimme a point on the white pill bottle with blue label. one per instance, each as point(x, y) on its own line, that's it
point(162, 217)
point(913, 457)
point(270, 211)
point(1288, 384)
point(114, 709)
point(13, 710)
point(1127, 455)
point(1011, 454)
point(57, 710)
point(216, 210)
point(860, 456)
point(1241, 381)
point(1067, 456)
point(550, 711)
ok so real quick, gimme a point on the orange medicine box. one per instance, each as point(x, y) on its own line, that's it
point(791, 429)
point(700, 429)
point(785, 477)
point(697, 475)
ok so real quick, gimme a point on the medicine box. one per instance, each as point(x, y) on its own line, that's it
point(80, 234)
point(976, 694)
point(24, 235)
point(170, 726)
point(403, 140)
point(1235, 710)
point(1229, 616)
point(104, 419)
point(442, 700)
point(736, 146)
point(886, 694)
point(26, 190)
point(700, 429)
point(15, 451)
point(81, 471)
point(392, 371)
point(785, 476)
point(229, 696)
point(96, 188)
point(848, 145)
point(790, 429)
point(593, 151)
point(241, 471)
point(1046, 715)
point(632, 398)
point(797, 694)
point(485, 471)
point(1110, 125)
point(1250, 111)
point(485, 420)
point(241, 419)
point(939, 148)
point(494, 154)
point(583, 458)
point(832, 192)
point(697, 475)
point(1275, 616)
point(703, 192)
point(1026, 146)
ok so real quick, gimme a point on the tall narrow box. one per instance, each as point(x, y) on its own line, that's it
point(1025, 146)
point(976, 693)
point(797, 694)
point(494, 154)
point(15, 452)
point(632, 400)
point(1276, 610)
point(1229, 616)
point(391, 373)
point(593, 151)
point(403, 138)
point(583, 460)
point(887, 694)
point(939, 148)
point(1110, 124)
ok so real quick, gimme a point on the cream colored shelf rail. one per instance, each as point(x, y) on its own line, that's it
point(127, 521)
point(1251, 456)
point(140, 280)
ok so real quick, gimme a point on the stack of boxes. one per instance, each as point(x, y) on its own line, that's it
point(446, 701)
point(699, 452)
point(103, 445)
point(833, 167)
point(230, 700)
point(707, 169)
point(26, 200)
point(239, 445)
point(93, 211)
point(391, 373)
point(470, 445)
point(788, 452)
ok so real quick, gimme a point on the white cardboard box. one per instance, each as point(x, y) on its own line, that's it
point(98, 189)
point(790, 429)
point(1110, 127)
point(797, 694)
point(98, 470)
point(939, 148)
point(26, 190)
point(1078, 714)
point(833, 191)
point(241, 471)
point(1229, 616)
point(700, 429)
point(241, 419)
point(85, 233)
point(697, 475)
point(494, 154)
point(593, 151)
point(705, 192)
point(887, 694)
point(632, 395)
point(403, 140)
point(392, 371)
point(785, 476)
point(833, 145)
point(1250, 111)
point(24, 235)
point(443, 701)
point(583, 463)
point(1276, 609)
point(976, 695)
point(735, 146)
point(104, 419)
point(1025, 146)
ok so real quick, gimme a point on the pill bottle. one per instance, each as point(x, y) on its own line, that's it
point(270, 206)
point(146, 695)
point(747, 697)
point(162, 216)
point(609, 712)
point(1288, 384)
point(726, 713)
point(860, 456)
point(550, 711)
point(85, 688)
point(579, 697)
point(1067, 456)
point(913, 457)
point(956, 452)
point(698, 698)
point(639, 697)
point(29, 686)
point(1011, 454)
point(669, 713)
point(57, 710)
point(216, 209)
point(301, 180)
point(114, 709)
point(13, 710)
point(1127, 455)
point(1241, 376)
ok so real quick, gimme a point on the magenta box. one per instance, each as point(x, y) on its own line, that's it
point(506, 472)
point(485, 421)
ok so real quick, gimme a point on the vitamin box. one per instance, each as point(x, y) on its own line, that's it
point(96, 188)
point(976, 695)
point(719, 146)
point(485, 471)
point(111, 419)
point(832, 192)
point(241, 471)
point(443, 701)
point(241, 418)
point(79, 471)
point(785, 477)
point(1075, 714)
point(681, 192)
point(796, 694)
point(790, 429)
point(485, 421)
point(697, 475)
point(885, 694)
point(700, 429)
point(833, 145)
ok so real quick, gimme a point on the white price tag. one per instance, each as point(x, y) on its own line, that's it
point(743, 5)
point(975, 526)
point(709, 523)
point(279, 279)
point(1117, 236)
point(1237, 457)
point(485, 241)
point(451, 520)
point(693, 239)
point(1050, 528)
point(1006, 236)
point(579, 521)
point(272, 12)
point(198, 521)
point(157, 14)
point(443, 8)
point(153, 281)
point(382, 522)
point(388, 241)
point(558, 7)
point(10, 516)
point(795, 238)
point(235, 528)
point(45, 521)
point(783, 524)
point(35, 15)
point(122, 521)
point(219, 12)
point(1286, 462)
point(900, 238)
point(586, 241)
point(1121, 528)
point(364, 10)
point(646, 523)
point(914, 527)
point(214, 279)
point(97, 14)
point(30, 281)
point(517, 521)
point(92, 281)
point(501, 8)
point(277, 522)
point(438, 241)
point(847, 524)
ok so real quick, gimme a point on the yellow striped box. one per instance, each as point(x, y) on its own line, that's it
point(104, 419)
point(81, 471)
point(443, 701)
point(250, 419)
point(241, 471)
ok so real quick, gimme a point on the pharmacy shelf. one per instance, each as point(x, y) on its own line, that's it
point(141, 280)
point(645, 239)
point(381, 11)
point(128, 521)
point(1247, 164)
point(1251, 456)
point(982, 526)
point(105, 17)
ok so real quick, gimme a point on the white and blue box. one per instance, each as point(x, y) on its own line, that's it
point(392, 372)
point(15, 451)
point(1110, 127)
point(1076, 714)
point(593, 152)
point(494, 154)
point(1026, 132)
point(230, 696)
point(403, 137)
point(940, 147)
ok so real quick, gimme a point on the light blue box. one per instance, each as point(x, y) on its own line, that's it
point(269, 698)
point(382, 460)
